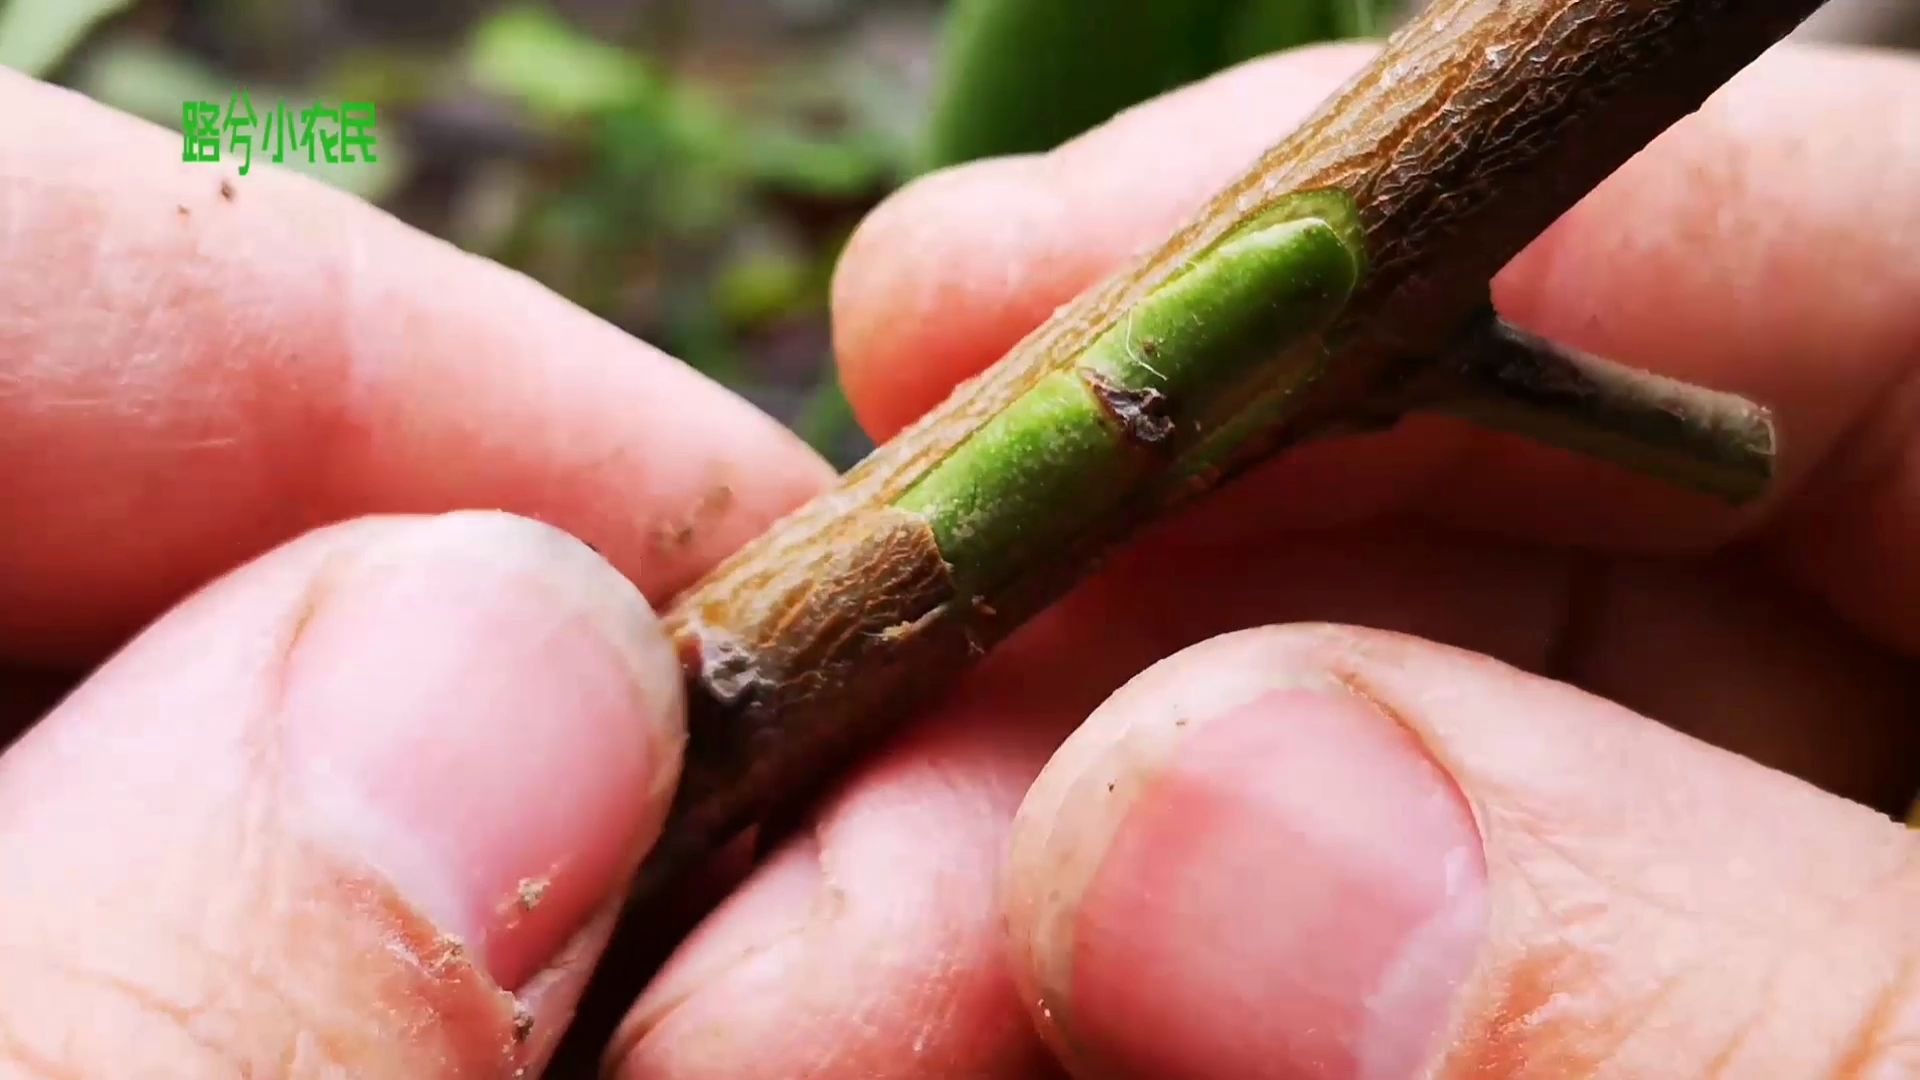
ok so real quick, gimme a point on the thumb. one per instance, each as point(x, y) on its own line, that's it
point(360, 808)
point(1318, 852)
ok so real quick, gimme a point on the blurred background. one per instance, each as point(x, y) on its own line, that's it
point(689, 169)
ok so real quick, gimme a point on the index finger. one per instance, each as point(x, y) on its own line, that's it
point(1762, 246)
point(196, 365)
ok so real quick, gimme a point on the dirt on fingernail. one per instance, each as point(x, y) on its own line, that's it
point(522, 1023)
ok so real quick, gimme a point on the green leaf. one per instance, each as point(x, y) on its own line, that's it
point(762, 285)
point(151, 81)
point(827, 423)
point(1020, 76)
point(824, 167)
point(1362, 18)
point(390, 75)
point(36, 35)
point(1025, 75)
point(529, 53)
point(1261, 28)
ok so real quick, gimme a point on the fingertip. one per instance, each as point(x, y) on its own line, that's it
point(261, 354)
point(1364, 855)
point(952, 271)
point(1305, 884)
point(490, 715)
point(945, 276)
point(868, 944)
point(403, 766)
point(1703, 258)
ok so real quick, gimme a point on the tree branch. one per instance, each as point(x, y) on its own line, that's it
point(1478, 125)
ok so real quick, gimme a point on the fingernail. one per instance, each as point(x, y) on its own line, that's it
point(1298, 890)
point(483, 713)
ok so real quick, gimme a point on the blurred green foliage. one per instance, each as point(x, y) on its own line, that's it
point(1026, 75)
point(528, 53)
point(699, 194)
point(35, 35)
point(151, 81)
point(688, 169)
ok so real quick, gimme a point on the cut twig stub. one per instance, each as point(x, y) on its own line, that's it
point(1497, 375)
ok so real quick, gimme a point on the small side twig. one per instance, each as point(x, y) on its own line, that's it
point(1504, 378)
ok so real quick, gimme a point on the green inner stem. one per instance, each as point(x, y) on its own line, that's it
point(1074, 448)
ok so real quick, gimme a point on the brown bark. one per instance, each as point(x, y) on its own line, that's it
point(1478, 125)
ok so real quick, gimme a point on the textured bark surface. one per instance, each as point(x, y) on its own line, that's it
point(797, 662)
point(1478, 125)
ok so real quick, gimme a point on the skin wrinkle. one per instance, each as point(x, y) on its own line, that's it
point(1901, 876)
point(1878, 1036)
point(1505, 829)
point(349, 414)
point(1331, 646)
point(187, 1019)
point(262, 826)
point(1541, 836)
point(927, 990)
point(226, 967)
point(1747, 1031)
point(828, 905)
point(353, 377)
point(14, 1051)
point(1870, 453)
point(1852, 1057)
point(238, 376)
point(1128, 760)
point(1870, 468)
point(438, 1004)
point(181, 1016)
point(1894, 1019)
point(1632, 1015)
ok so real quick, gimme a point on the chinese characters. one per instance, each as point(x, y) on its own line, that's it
point(326, 135)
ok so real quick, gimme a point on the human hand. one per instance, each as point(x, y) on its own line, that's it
point(321, 813)
point(227, 849)
point(1318, 851)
